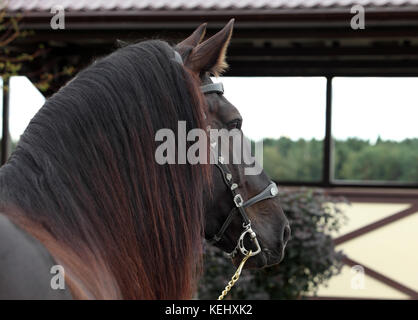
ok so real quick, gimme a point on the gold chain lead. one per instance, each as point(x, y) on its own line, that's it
point(235, 277)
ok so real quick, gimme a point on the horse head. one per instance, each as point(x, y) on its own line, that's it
point(243, 210)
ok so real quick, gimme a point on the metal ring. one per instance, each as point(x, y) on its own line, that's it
point(253, 236)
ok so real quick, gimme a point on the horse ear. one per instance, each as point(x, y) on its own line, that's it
point(210, 56)
point(195, 38)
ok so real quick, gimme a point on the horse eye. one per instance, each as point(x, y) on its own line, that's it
point(235, 124)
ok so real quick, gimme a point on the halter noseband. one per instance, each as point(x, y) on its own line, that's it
point(269, 192)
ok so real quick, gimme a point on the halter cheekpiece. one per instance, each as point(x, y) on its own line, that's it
point(269, 192)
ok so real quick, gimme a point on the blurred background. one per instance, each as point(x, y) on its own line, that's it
point(334, 100)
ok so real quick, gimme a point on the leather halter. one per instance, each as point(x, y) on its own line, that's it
point(269, 192)
point(216, 87)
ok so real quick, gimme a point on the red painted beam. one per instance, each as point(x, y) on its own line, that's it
point(376, 225)
point(384, 279)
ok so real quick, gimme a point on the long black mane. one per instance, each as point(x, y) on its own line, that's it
point(84, 182)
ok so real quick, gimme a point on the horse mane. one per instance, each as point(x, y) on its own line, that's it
point(84, 182)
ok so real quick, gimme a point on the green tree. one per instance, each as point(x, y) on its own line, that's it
point(289, 160)
point(13, 59)
point(354, 159)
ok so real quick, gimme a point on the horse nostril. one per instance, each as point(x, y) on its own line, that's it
point(286, 234)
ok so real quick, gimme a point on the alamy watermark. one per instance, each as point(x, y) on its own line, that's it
point(58, 280)
point(58, 18)
point(358, 279)
point(358, 21)
point(226, 146)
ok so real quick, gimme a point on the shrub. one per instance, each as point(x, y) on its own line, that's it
point(311, 258)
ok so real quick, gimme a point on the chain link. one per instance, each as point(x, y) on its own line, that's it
point(235, 277)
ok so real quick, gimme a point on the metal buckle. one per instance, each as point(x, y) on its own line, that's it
point(274, 190)
point(238, 200)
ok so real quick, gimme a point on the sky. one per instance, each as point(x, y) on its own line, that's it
point(293, 107)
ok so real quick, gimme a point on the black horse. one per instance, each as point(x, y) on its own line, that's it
point(82, 189)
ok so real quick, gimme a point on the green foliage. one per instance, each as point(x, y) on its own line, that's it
point(354, 159)
point(10, 60)
point(288, 160)
point(385, 160)
point(311, 258)
point(13, 61)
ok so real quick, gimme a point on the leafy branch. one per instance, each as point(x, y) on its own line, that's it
point(14, 62)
